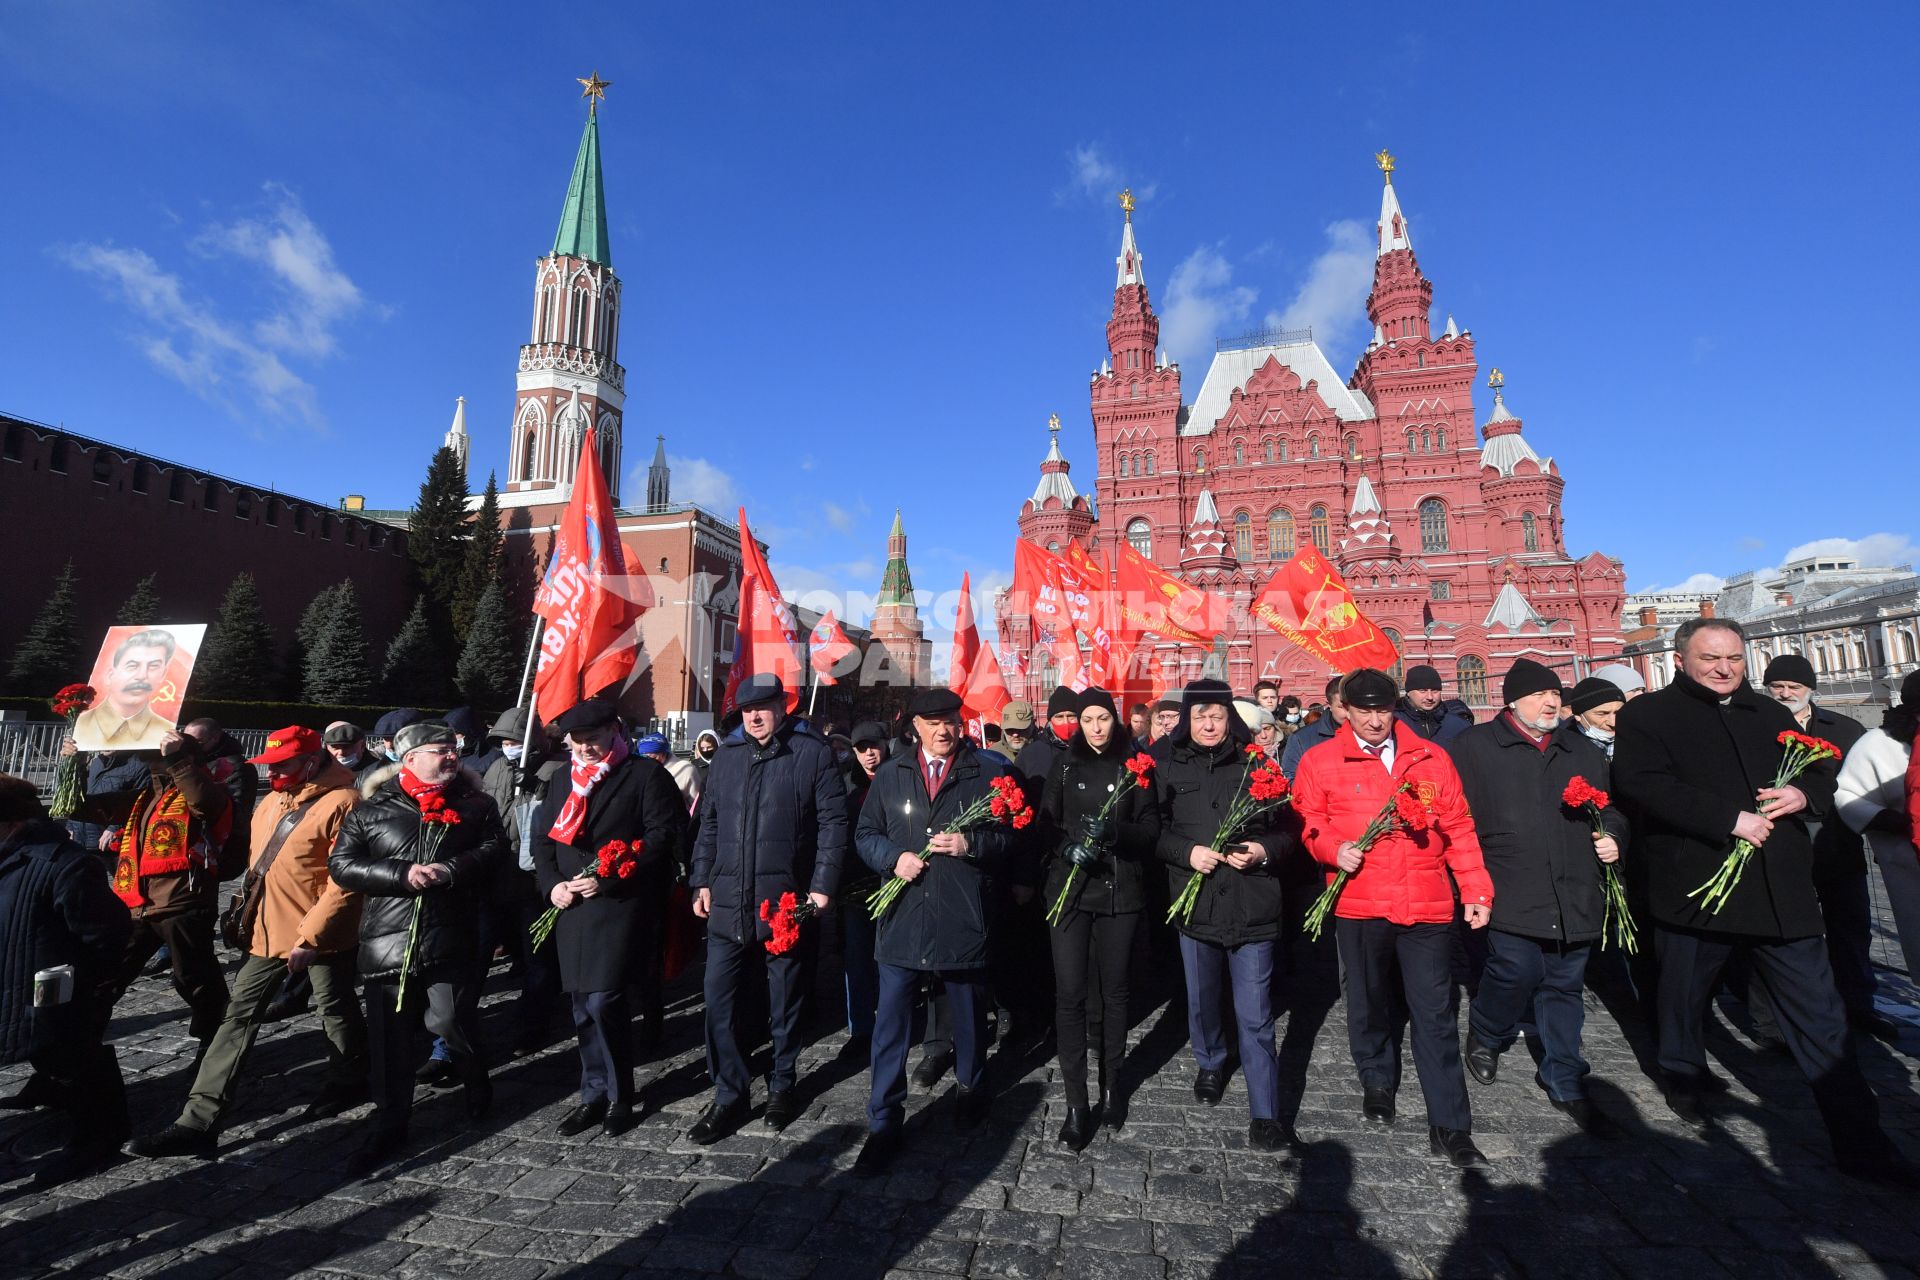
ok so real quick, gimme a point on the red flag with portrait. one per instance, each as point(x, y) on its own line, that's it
point(1309, 603)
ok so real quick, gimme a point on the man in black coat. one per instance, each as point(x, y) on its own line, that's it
point(1230, 934)
point(773, 821)
point(938, 924)
point(1309, 736)
point(56, 912)
point(1839, 853)
point(606, 793)
point(1545, 859)
point(1695, 764)
point(420, 849)
point(1426, 710)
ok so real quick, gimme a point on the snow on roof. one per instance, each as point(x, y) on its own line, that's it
point(1231, 369)
point(1511, 610)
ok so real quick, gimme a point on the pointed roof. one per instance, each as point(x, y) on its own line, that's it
point(1511, 610)
point(459, 427)
point(1128, 267)
point(1367, 527)
point(1453, 330)
point(1053, 474)
point(1506, 448)
point(1393, 223)
point(896, 584)
point(1365, 500)
point(583, 219)
point(898, 530)
point(660, 451)
point(1204, 511)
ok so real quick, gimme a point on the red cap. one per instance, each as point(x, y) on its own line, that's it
point(285, 744)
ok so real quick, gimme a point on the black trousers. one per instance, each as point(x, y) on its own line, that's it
point(1085, 944)
point(85, 1074)
point(1847, 911)
point(1018, 966)
point(445, 1009)
point(731, 966)
point(650, 976)
point(1812, 1021)
point(197, 976)
point(1369, 950)
point(603, 1021)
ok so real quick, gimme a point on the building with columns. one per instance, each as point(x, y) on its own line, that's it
point(1449, 528)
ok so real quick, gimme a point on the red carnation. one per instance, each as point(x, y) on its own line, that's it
point(1412, 814)
point(1140, 766)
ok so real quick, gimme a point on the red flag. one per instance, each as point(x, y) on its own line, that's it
point(764, 638)
point(973, 672)
point(588, 642)
point(1037, 591)
point(827, 644)
point(1148, 598)
point(1309, 603)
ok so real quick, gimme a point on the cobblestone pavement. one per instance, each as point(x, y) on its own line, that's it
point(1176, 1194)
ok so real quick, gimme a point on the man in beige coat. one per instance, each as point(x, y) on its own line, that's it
point(300, 922)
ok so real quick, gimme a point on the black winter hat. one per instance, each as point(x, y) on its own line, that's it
point(1526, 676)
point(1062, 701)
point(759, 689)
point(394, 721)
point(1369, 690)
point(934, 704)
point(1791, 666)
point(869, 733)
point(1423, 677)
point(1594, 692)
point(1206, 692)
point(1098, 697)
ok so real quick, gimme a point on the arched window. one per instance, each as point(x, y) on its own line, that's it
point(1440, 439)
point(1529, 531)
point(1433, 525)
point(102, 467)
point(1471, 679)
point(210, 497)
point(1313, 445)
point(326, 527)
point(273, 511)
point(1149, 464)
point(16, 444)
point(1399, 663)
point(1123, 465)
point(243, 505)
point(1280, 535)
point(1353, 447)
point(176, 487)
point(1320, 529)
point(1140, 538)
point(1412, 440)
point(1269, 448)
point(1426, 442)
point(1243, 535)
point(299, 519)
point(1239, 453)
point(57, 457)
point(142, 477)
point(1283, 448)
point(1199, 459)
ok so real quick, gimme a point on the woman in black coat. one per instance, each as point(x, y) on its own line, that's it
point(602, 930)
point(1101, 913)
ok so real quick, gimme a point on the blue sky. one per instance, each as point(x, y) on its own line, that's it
point(868, 249)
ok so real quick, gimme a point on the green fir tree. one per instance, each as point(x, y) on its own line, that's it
point(415, 673)
point(313, 623)
point(437, 538)
point(484, 541)
point(142, 608)
point(48, 656)
point(336, 664)
point(238, 660)
point(490, 661)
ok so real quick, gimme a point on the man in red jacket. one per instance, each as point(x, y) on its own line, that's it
point(1397, 904)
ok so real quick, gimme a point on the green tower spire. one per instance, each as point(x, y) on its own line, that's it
point(896, 584)
point(583, 220)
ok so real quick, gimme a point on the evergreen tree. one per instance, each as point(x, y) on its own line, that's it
point(49, 654)
point(415, 673)
point(313, 623)
point(336, 665)
point(483, 564)
point(237, 661)
point(142, 608)
point(490, 662)
point(437, 538)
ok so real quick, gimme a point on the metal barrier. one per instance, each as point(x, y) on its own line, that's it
point(31, 749)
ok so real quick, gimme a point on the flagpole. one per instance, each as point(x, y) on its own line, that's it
point(814, 697)
point(526, 671)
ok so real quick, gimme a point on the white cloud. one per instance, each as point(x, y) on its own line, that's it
point(1202, 304)
point(316, 294)
point(1093, 173)
point(1332, 299)
point(1695, 583)
point(1874, 550)
point(697, 480)
point(838, 516)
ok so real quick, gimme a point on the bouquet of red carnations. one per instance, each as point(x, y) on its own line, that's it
point(785, 919)
point(617, 860)
point(1262, 788)
point(1401, 812)
point(1802, 751)
point(70, 783)
point(1581, 794)
point(1005, 802)
point(1136, 770)
point(436, 815)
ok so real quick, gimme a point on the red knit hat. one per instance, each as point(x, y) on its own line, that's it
point(285, 744)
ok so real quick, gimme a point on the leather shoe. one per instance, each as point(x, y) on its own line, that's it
point(782, 1109)
point(380, 1148)
point(39, 1091)
point(931, 1068)
point(74, 1162)
point(1583, 1113)
point(1376, 1105)
point(1113, 1110)
point(621, 1116)
point(334, 1102)
point(479, 1098)
point(1483, 1060)
point(175, 1140)
point(436, 1073)
point(1684, 1098)
point(1457, 1146)
point(1076, 1131)
point(1269, 1135)
point(1876, 1024)
point(877, 1153)
point(583, 1118)
point(717, 1121)
point(1889, 1170)
point(970, 1107)
point(1209, 1087)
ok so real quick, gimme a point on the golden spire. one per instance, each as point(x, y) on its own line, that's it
point(1496, 380)
point(594, 89)
point(1053, 423)
point(1126, 203)
point(1384, 159)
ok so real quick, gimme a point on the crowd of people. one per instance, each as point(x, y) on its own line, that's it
point(1014, 879)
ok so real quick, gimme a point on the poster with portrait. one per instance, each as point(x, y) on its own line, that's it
point(139, 681)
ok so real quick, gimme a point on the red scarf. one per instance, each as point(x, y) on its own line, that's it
point(162, 837)
point(416, 788)
point(585, 777)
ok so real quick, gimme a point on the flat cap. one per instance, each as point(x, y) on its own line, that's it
point(1369, 690)
point(934, 704)
point(593, 713)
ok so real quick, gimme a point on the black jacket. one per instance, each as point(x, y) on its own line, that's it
point(599, 938)
point(1082, 781)
point(380, 838)
point(1442, 725)
point(1305, 739)
point(1193, 788)
point(773, 820)
point(940, 920)
point(114, 778)
point(226, 760)
point(1546, 877)
point(1839, 851)
point(1685, 767)
point(55, 909)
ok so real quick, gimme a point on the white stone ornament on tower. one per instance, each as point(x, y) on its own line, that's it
point(456, 438)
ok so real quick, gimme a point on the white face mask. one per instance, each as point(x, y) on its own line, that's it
point(1598, 735)
point(513, 751)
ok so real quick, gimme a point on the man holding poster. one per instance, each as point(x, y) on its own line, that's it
point(142, 675)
